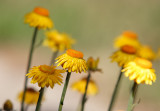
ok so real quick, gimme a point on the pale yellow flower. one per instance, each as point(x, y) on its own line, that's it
point(124, 55)
point(140, 70)
point(58, 41)
point(127, 38)
point(39, 18)
point(81, 84)
point(31, 96)
point(45, 75)
point(146, 52)
point(72, 61)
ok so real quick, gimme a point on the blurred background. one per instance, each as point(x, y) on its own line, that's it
point(94, 24)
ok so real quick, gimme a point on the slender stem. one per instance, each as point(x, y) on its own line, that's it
point(54, 57)
point(115, 92)
point(132, 97)
point(40, 99)
point(28, 66)
point(84, 99)
point(64, 91)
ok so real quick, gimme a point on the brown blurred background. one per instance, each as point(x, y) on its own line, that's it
point(94, 24)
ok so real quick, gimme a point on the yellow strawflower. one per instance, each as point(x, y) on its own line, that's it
point(45, 75)
point(140, 70)
point(93, 64)
point(81, 84)
point(39, 17)
point(124, 55)
point(127, 38)
point(146, 52)
point(58, 41)
point(31, 96)
point(72, 61)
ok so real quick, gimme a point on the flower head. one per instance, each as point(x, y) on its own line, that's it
point(81, 84)
point(146, 52)
point(58, 41)
point(73, 61)
point(93, 64)
point(31, 96)
point(8, 106)
point(45, 75)
point(39, 17)
point(127, 38)
point(140, 70)
point(124, 55)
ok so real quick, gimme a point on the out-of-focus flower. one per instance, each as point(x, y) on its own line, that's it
point(140, 70)
point(127, 38)
point(8, 106)
point(45, 75)
point(81, 84)
point(93, 64)
point(58, 41)
point(146, 52)
point(39, 18)
point(31, 96)
point(72, 61)
point(124, 55)
point(158, 54)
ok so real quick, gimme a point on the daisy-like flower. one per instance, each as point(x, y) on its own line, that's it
point(140, 70)
point(58, 41)
point(31, 96)
point(39, 17)
point(124, 55)
point(127, 38)
point(72, 61)
point(45, 75)
point(81, 85)
point(93, 64)
point(146, 52)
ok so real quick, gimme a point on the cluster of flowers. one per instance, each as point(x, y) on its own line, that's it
point(135, 61)
point(55, 40)
point(48, 75)
point(134, 58)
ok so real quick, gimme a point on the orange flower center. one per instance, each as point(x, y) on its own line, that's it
point(31, 90)
point(74, 53)
point(41, 11)
point(46, 69)
point(143, 63)
point(130, 34)
point(128, 49)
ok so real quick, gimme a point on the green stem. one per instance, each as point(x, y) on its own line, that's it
point(28, 67)
point(132, 97)
point(54, 57)
point(40, 99)
point(64, 91)
point(84, 99)
point(115, 92)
